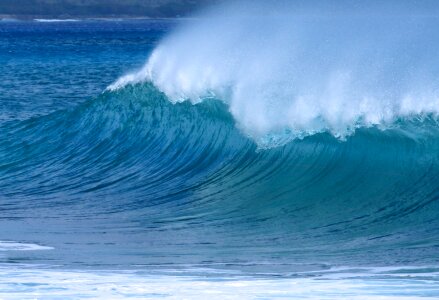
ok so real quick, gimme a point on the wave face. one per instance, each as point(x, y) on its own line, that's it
point(180, 183)
point(289, 143)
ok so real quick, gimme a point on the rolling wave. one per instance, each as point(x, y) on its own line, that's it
point(183, 167)
point(306, 143)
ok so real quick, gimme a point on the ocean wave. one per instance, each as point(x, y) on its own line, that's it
point(315, 144)
point(187, 171)
point(16, 246)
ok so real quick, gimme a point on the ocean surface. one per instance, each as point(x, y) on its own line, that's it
point(219, 159)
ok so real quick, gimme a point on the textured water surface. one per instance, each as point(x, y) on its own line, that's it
point(133, 164)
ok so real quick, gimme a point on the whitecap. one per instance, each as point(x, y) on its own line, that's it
point(16, 246)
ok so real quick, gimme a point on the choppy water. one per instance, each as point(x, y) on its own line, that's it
point(120, 188)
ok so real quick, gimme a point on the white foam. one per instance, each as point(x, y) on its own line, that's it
point(29, 283)
point(55, 20)
point(15, 246)
point(284, 70)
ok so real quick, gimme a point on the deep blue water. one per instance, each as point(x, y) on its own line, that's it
point(126, 180)
point(52, 66)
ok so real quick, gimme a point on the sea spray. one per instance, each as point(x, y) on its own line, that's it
point(289, 70)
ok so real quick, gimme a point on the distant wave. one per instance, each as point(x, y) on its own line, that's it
point(56, 20)
point(16, 246)
point(7, 20)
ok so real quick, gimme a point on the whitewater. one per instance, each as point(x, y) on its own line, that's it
point(286, 68)
point(270, 151)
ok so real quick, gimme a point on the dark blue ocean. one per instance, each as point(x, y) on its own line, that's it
point(139, 159)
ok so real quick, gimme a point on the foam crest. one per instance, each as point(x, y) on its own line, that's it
point(16, 246)
point(287, 71)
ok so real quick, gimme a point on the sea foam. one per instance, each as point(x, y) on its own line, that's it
point(29, 283)
point(16, 246)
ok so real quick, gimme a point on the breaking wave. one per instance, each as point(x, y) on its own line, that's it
point(291, 71)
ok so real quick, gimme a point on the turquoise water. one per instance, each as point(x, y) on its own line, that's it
point(181, 180)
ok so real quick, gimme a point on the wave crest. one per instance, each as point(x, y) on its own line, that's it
point(290, 74)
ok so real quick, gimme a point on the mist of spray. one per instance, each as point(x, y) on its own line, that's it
point(288, 70)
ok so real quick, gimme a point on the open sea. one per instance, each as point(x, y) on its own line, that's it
point(220, 157)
